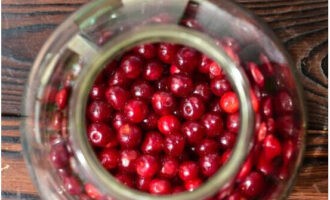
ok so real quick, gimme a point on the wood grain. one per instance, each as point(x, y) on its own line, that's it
point(302, 26)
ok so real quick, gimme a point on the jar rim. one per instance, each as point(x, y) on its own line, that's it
point(148, 34)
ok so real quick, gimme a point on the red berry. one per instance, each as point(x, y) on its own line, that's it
point(167, 52)
point(193, 131)
point(209, 164)
point(119, 79)
point(229, 102)
point(143, 183)
point(153, 143)
point(92, 191)
point(160, 186)
point(174, 145)
point(188, 171)
point(131, 65)
point(169, 167)
point(125, 179)
point(118, 120)
point(147, 51)
point(191, 185)
point(136, 110)
point(116, 96)
point(99, 111)
point(253, 185)
point(192, 108)
point(72, 185)
point(147, 166)
point(219, 86)
point(257, 76)
point(109, 158)
point(227, 140)
point(233, 122)
point(181, 85)
point(207, 146)
point(153, 70)
point(203, 91)
point(97, 92)
point(129, 136)
point(215, 70)
point(142, 89)
point(127, 160)
point(61, 98)
point(187, 59)
point(271, 147)
point(163, 103)
point(59, 155)
point(169, 124)
point(283, 103)
point(100, 135)
point(213, 124)
point(204, 66)
point(150, 122)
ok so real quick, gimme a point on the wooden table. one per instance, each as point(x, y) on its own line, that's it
point(302, 25)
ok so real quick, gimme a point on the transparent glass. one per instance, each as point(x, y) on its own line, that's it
point(101, 30)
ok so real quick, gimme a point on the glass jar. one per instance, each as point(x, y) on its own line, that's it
point(58, 154)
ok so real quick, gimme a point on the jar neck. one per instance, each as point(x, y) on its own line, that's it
point(99, 56)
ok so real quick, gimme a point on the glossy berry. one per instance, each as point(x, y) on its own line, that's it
point(181, 85)
point(59, 155)
point(131, 65)
point(169, 167)
point(219, 86)
point(116, 96)
point(256, 74)
point(204, 66)
point(187, 59)
point(150, 122)
point(100, 134)
point(153, 70)
point(283, 103)
point(229, 102)
point(245, 169)
point(61, 98)
point(233, 122)
point(99, 111)
point(193, 131)
point(109, 158)
point(129, 136)
point(188, 171)
point(92, 191)
point(127, 159)
point(215, 70)
point(169, 124)
point(147, 51)
point(174, 145)
point(209, 164)
point(285, 126)
point(192, 108)
point(267, 107)
point(135, 110)
point(119, 79)
point(213, 124)
point(203, 91)
point(253, 185)
point(271, 147)
point(125, 179)
point(167, 52)
point(163, 103)
point(160, 187)
point(143, 183)
point(142, 89)
point(118, 120)
point(153, 143)
point(207, 146)
point(72, 185)
point(192, 185)
point(147, 166)
point(227, 140)
point(97, 92)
